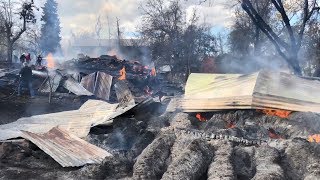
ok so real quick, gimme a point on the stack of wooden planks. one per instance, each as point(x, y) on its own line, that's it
point(262, 90)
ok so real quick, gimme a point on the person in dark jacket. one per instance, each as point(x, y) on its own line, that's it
point(39, 60)
point(22, 58)
point(26, 79)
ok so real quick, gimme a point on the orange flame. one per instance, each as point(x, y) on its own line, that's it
point(276, 112)
point(153, 72)
point(200, 118)
point(50, 61)
point(314, 138)
point(123, 74)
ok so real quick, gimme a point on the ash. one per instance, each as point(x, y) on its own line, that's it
point(178, 146)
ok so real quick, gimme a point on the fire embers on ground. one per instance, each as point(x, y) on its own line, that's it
point(179, 146)
point(276, 112)
point(190, 149)
point(314, 138)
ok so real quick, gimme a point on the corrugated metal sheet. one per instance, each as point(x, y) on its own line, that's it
point(67, 149)
point(124, 95)
point(103, 85)
point(55, 79)
point(88, 82)
point(99, 84)
point(77, 122)
point(76, 88)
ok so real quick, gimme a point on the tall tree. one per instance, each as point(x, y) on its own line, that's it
point(287, 46)
point(10, 25)
point(50, 30)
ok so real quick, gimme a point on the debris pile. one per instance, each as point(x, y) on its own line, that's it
point(127, 131)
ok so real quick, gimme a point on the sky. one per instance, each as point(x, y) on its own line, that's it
point(80, 16)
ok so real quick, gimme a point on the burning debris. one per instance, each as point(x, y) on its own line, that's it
point(133, 136)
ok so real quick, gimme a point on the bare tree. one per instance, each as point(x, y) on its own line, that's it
point(288, 48)
point(174, 40)
point(11, 27)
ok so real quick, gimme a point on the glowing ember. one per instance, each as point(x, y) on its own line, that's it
point(314, 138)
point(123, 74)
point(200, 118)
point(273, 134)
point(50, 61)
point(153, 72)
point(279, 113)
point(231, 125)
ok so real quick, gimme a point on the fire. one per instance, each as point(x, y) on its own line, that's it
point(50, 61)
point(200, 118)
point(123, 74)
point(276, 112)
point(153, 72)
point(314, 138)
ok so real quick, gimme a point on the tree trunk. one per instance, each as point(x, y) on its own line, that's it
point(9, 52)
point(295, 64)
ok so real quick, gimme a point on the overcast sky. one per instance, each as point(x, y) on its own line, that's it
point(81, 15)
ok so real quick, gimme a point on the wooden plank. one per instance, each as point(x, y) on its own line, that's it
point(68, 150)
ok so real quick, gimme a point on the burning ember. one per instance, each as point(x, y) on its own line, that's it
point(314, 138)
point(231, 125)
point(279, 113)
point(153, 72)
point(273, 134)
point(200, 117)
point(123, 74)
point(50, 61)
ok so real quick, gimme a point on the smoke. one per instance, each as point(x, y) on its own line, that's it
point(251, 64)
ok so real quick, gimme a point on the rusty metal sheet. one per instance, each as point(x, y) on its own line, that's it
point(99, 84)
point(77, 122)
point(76, 88)
point(67, 149)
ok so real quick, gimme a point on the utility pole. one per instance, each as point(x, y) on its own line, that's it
point(118, 29)
point(109, 28)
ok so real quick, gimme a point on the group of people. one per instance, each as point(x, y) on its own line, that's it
point(27, 58)
point(25, 74)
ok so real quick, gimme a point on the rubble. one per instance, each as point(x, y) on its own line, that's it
point(130, 136)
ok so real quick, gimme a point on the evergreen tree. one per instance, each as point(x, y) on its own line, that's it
point(50, 30)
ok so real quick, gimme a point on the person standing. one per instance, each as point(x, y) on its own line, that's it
point(39, 60)
point(26, 79)
point(22, 58)
point(28, 58)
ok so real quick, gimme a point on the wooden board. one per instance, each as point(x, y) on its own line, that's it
point(263, 90)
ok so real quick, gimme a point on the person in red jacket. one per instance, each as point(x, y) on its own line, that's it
point(28, 58)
